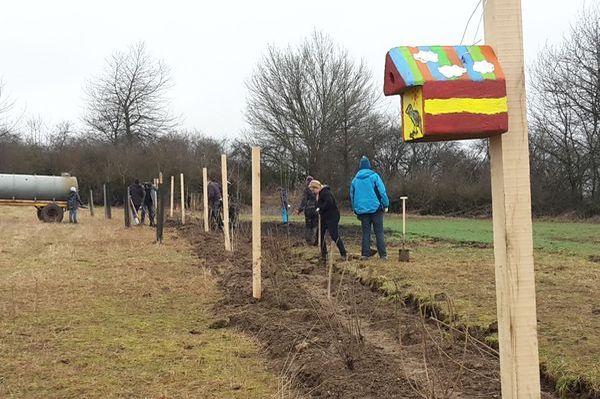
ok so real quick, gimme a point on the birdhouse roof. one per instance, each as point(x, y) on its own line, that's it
point(407, 67)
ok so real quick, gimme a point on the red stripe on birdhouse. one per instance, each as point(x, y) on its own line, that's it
point(464, 89)
point(466, 123)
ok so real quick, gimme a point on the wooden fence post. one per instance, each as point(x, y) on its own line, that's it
point(511, 205)
point(127, 209)
point(160, 211)
point(91, 203)
point(107, 212)
point(172, 194)
point(256, 227)
point(182, 200)
point(224, 183)
point(205, 199)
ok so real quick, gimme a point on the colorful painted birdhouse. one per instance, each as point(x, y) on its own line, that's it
point(448, 92)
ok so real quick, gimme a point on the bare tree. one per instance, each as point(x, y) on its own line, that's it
point(7, 125)
point(565, 115)
point(128, 103)
point(308, 101)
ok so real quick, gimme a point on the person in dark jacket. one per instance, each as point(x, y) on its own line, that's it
point(330, 217)
point(309, 206)
point(136, 192)
point(215, 202)
point(148, 204)
point(73, 202)
point(369, 201)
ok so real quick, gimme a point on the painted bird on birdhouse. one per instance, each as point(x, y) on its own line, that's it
point(448, 92)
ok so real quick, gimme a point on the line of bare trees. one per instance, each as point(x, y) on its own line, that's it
point(315, 110)
point(564, 116)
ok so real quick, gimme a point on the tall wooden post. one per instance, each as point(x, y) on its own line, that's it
point(256, 233)
point(172, 195)
point(511, 205)
point(182, 199)
point(127, 208)
point(91, 202)
point(107, 213)
point(403, 219)
point(225, 202)
point(205, 195)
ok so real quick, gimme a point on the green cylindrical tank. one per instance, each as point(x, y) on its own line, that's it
point(35, 187)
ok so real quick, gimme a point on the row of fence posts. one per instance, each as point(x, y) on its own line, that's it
point(161, 198)
point(105, 200)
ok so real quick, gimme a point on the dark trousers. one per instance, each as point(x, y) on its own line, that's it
point(331, 225)
point(375, 220)
point(149, 209)
point(310, 233)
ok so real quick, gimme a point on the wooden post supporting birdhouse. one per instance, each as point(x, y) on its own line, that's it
point(511, 205)
point(465, 92)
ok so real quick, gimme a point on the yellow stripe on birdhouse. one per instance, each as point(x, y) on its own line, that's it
point(485, 106)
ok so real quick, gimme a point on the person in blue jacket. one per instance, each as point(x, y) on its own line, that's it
point(369, 201)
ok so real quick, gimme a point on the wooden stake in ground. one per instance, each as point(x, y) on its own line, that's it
point(511, 204)
point(403, 220)
point(160, 209)
point(225, 202)
point(330, 272)
point(319, 228)
point(256, 220)
point(107, 213)
point(91, 202)
point(182, 199)
point(172, 195)
point(127, 209)
point(205, 195)
point(160, 178)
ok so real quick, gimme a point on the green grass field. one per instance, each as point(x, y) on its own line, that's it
point(562, 237)
point(565, 237)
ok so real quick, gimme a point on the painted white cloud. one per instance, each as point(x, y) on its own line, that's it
point(426, 56)
point(483, 66)
point(452, 71)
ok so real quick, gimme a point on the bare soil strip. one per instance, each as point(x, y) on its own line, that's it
point(356, 345)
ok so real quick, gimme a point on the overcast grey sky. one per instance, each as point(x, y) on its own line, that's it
point(49, 48)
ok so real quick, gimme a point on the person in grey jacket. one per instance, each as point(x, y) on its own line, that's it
point(73, 203)
point(309, 206)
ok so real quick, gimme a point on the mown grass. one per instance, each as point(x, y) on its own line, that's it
point(451, 270)
point(563, 237)
point(97, 310)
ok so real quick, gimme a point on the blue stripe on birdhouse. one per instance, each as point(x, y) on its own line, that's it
point(467, 60)
point(402, 66)
point(433, 66)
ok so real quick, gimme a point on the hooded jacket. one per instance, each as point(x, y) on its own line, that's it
point(327, 205)
point(367, 191)
point(73, 201)
point(137, 193)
